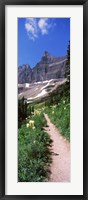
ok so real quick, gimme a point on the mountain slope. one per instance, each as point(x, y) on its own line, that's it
point(39, 91)
point(49, 67)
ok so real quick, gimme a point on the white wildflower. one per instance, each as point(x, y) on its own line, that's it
point(31, 123)
point(33, 127)
point(27, 125)
point(54, 106)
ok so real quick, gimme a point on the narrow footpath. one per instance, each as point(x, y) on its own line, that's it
point(60, 167)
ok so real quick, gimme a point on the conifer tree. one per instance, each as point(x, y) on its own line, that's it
point(67, 69)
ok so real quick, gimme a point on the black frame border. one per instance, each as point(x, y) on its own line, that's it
point(2, 98)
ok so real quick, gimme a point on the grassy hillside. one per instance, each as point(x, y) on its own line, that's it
point(60, 116)
point(33, 149)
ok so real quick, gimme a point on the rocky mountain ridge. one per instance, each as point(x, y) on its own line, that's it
point(49, 67)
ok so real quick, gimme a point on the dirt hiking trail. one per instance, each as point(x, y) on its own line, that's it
point(60, 167)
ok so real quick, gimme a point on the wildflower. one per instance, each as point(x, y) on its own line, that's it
point(54, 106)
point(31, 123)
point(37, 112)
point(64, 108)
point(33, 127)
point(63, 101)
point(27, 125)
point(34, 141)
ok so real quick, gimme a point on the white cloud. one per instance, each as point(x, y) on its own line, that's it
point(43, 25)
point(31, 28)
point(36, 26)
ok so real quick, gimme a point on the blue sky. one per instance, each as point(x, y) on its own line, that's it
point(37, 35)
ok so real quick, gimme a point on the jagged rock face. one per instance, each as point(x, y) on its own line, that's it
point(49, 67)
point(24, 74)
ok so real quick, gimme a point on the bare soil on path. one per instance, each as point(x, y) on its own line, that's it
point(60, 167)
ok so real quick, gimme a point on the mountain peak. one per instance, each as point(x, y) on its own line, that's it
point(45, 56)
point(46, 53)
